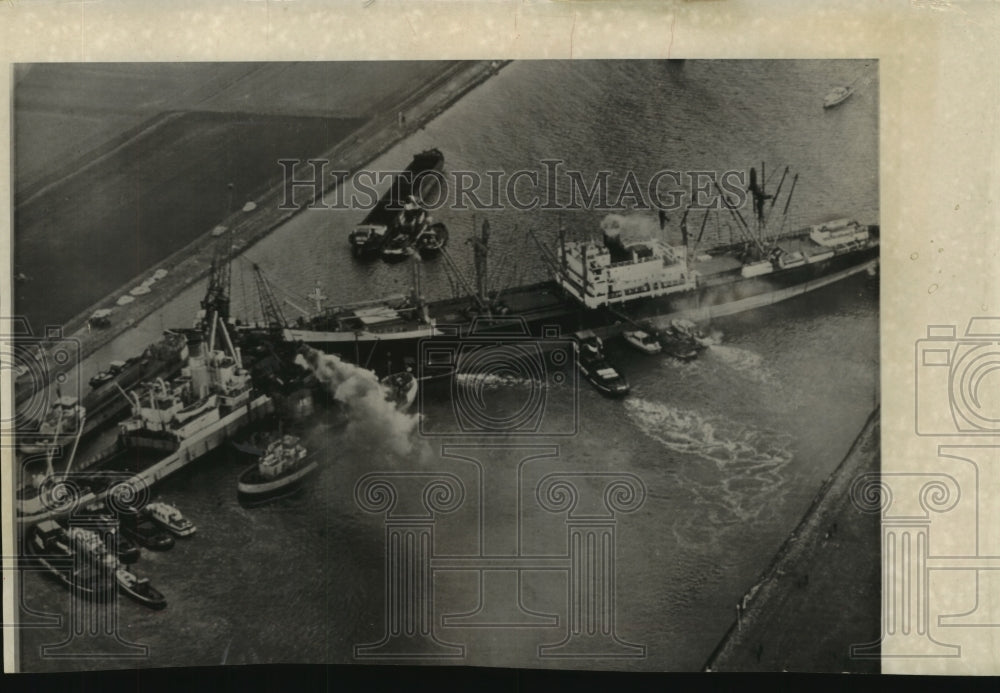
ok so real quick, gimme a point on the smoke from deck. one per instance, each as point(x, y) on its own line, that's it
point(629, 228)
point(371, 418)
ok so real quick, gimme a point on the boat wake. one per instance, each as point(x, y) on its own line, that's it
point(747, 363)
point(493, 381)
point(744, 477)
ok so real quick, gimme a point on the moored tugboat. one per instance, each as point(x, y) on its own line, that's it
point(280, 470)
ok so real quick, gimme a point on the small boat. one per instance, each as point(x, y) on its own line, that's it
point(280, 470)
point(367, 240)
point(139, 589)
point(145, 532)
point(170, 518)
point(401, 388)
point(643, 341)
point(837, 96)
point(107, 375)
point(397, 248)
point(125, 300)
point(687, 329)
point(674, 343)
point(50, 546)
point(431, 239)
point(159, 274)
point(140, 290)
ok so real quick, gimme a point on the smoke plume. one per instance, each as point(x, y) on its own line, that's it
point(629, 228)
point(371, 418)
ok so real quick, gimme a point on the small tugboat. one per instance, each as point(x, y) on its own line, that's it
point(145, 532)
point(50, 545)
point(643, 341)
point(837, 96)
point(401, 388)
point(284, 465)
point(170, 518)
point(139, 589)
point(688, 330)
point(595, 367)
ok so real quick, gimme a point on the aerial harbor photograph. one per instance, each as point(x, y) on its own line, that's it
point(547, 364)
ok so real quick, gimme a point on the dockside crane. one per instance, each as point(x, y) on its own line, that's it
point(274, 318)
point(216, 301)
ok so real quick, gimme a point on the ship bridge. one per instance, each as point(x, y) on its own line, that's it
point(597, 275)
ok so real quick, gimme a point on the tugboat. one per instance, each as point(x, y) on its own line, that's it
point(595, 367)
point(401, 388)
point(284, 465)
point(643, 341)
point(139, 589)
point(51, 547)
point(145, 532)
point(170, 518)
point(685, 329)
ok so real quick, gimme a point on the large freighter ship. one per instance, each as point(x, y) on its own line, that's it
point(172, 424)
point(608, 284)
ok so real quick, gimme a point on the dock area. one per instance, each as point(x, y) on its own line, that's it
point(821, 593)
point(193, 262)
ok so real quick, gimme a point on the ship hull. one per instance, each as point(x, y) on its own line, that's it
point(252, 490)
point(545, 309)
point(122, 459)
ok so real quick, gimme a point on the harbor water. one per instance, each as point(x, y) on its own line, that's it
point(730, 448)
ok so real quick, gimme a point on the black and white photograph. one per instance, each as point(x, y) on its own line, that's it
point(562, 364)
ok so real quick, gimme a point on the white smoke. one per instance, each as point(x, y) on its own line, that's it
point(630, 228)
point(371, 418)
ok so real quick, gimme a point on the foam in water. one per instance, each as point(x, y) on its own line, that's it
point(745, 476)
point(371, 418)
point(747, 363)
